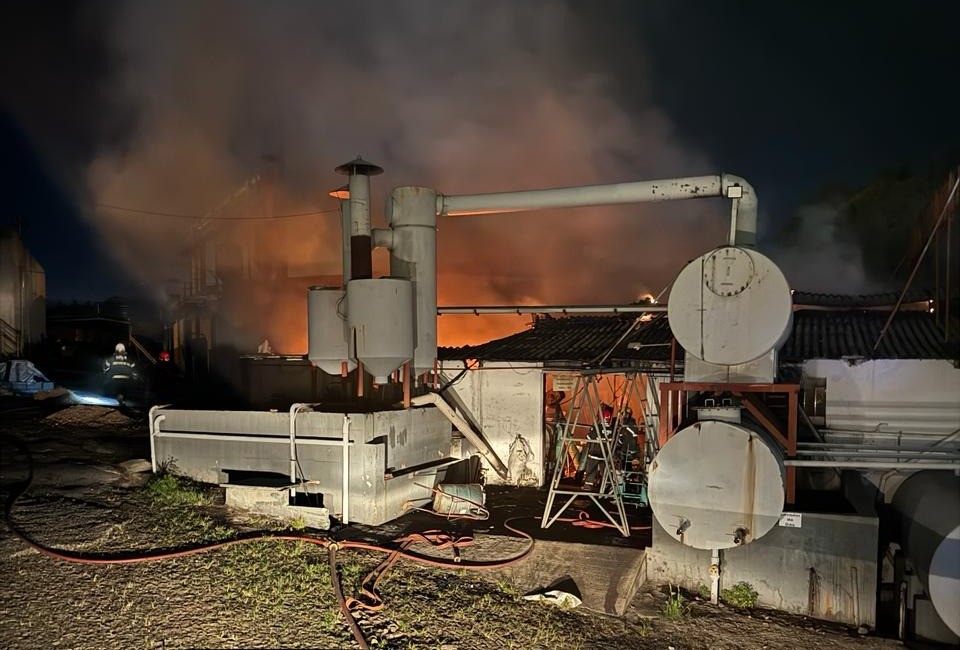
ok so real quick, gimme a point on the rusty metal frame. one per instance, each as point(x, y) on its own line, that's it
point(673, 403)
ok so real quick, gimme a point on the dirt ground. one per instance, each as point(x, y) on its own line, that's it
point(87, 496)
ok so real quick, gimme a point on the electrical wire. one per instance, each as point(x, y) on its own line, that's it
point(458, 377)
point(180, 215)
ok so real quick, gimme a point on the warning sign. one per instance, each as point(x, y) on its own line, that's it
point(565, 383)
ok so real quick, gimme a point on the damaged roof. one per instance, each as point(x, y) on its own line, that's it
point(842, 332)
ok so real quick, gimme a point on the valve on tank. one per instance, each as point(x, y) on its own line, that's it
point(682, 528)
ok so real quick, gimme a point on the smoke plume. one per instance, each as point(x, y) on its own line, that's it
point(464, 97)
point(817, 255)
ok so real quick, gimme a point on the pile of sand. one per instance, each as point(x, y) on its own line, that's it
point(83, 415)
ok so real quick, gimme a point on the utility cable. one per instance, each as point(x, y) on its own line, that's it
point(201, 217)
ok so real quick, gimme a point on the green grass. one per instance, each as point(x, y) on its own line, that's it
point(741, 594)
point(169, 491)
point(177, 510)
point(673, 608)
point(506, 588)
point(271, 577)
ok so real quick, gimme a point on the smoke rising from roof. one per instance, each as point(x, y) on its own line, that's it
point(459, 96)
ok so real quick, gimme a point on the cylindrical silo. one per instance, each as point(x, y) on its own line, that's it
point(380, 317)
point(717, 485)
point(730, 306)
point(928, 507)
point(327, 330)
point(413, 219)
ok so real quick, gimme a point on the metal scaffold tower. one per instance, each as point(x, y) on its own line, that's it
point(598, 438)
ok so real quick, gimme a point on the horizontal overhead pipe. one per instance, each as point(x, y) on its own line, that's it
point(552, 309)
point(911, 466)
point(743, 222)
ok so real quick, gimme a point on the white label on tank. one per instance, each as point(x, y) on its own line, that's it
point(791, 520)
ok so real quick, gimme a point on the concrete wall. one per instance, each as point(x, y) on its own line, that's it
point(386, 445)
point(826, 569)
point(506, 401)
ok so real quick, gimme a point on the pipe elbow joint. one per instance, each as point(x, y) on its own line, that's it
point(739, 190)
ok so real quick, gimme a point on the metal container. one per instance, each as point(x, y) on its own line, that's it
point(730, 306)
point(459, 499)
point(327, 330)
point(717, 485)
point(928, 507)
point(380, 317)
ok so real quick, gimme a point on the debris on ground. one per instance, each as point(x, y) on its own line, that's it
point(83, 415)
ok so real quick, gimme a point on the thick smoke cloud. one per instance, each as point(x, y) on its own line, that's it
point(464, 97)
point(818, 255)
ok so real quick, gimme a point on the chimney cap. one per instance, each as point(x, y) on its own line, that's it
point(359, 166)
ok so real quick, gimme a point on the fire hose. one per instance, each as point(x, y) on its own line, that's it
point(369, 598)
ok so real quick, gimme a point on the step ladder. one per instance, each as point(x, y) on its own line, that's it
point(599, 442)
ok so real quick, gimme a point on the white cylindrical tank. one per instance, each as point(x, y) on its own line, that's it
point(327, 330)
point(380, 317)
point(412, 216)
point(928, 507)
point(717, 485)
point(730, 306)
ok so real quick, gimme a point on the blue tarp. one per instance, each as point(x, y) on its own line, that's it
point(21, 376)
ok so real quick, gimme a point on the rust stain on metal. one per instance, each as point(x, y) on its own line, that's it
point(750, 484)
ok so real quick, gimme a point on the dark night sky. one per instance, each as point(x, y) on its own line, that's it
point(792, 96)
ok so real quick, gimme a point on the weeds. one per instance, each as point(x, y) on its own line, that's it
point(673, 608)
point(298, 523)
point(176, 506)
point(741, 594)
point(506, 588)
point(169, 491)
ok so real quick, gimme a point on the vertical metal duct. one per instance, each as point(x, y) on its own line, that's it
point(360, 171)
point(413, 255)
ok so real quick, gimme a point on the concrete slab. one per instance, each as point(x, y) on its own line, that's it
point(274, 502)
point(607, 577)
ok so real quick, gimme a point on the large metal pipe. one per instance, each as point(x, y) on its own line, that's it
point(345, 240)
point(743, 220)
point(914, 463)
point(553, 309)
point(413, 256)
point(928, 507)
point(342, 194)
point(360, 171)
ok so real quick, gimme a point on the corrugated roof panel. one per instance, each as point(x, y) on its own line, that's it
point(817, 334)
